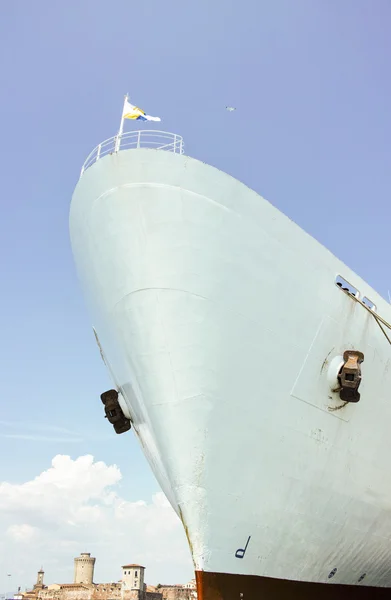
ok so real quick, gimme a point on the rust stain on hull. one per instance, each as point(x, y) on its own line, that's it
point(326, 361)
point(334, 408)
point(224, 586)
point(186, 532)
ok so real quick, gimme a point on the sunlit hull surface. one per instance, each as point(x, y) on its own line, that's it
point(220, 323)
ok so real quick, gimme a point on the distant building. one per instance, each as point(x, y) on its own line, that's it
point(131, 587)
point(84, 568)
point(133, 577)
point(178, 591)
point(40, 576)
point(191, 585)
point(38, 587)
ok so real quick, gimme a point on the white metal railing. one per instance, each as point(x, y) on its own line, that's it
point(159, 140)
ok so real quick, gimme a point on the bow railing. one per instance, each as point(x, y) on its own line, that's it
point(159, 140)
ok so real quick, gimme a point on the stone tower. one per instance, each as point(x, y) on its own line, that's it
point(84, 568)
point(39, 584)
point(133, 577)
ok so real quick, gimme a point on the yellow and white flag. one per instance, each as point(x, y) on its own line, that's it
point(133, 112)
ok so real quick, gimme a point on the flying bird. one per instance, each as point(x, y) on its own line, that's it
point(230, 108)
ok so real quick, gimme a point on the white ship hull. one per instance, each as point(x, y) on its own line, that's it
point(219, 319)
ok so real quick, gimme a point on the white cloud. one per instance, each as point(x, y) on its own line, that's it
point(74, 507)
point(22, 533)
point(44, 432)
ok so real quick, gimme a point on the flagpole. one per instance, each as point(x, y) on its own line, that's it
point(121, 126)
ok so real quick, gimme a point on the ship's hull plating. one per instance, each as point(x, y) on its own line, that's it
point(219, 319)
point(223, 586)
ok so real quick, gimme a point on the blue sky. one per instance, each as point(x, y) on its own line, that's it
point(311, 133)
